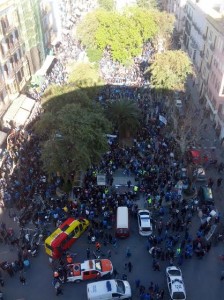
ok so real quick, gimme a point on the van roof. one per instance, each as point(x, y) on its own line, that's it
point(122, 217)
point(101, 287)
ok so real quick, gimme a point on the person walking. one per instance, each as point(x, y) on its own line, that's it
point(219, 182)
point(222, 275)
point(130, 266)
point(88, 253)
point(109, 254)
point(22, 279)
point(128, 252)
point(115, 272)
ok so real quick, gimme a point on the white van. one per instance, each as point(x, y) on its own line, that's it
point(108, 290)
point(122, 224)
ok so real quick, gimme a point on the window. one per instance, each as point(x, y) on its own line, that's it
point(2, 50)
point(210, 35)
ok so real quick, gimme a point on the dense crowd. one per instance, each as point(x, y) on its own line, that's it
point(31, 196)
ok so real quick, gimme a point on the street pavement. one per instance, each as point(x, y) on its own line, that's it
point(202, 277)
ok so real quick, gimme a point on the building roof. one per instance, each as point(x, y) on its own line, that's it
point(217, 23)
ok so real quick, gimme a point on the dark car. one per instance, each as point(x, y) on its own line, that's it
point(205, 195)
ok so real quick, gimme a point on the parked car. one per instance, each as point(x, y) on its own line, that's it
point(179, 107)
point(199, 174)
point(205, 195)
point(89, 269)
point(144, 222)
point(175, 283)
point(108, 290)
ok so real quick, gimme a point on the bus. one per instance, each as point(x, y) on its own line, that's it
point(64, 236)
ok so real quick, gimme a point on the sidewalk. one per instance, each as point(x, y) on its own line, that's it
point(209, 138)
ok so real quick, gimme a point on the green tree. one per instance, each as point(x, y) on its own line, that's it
point(170, 69)
point(123, 33)
point(86, 30)
point(165, 24)
point(107, 4)
point(147, 4)
point(76, 140)
point(86, 77)
point(56, 97)
point(125, 116)
point(144, 22)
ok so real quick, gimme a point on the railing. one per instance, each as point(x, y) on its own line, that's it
point(208, 66)
point(2, 84)
point(8, 29)
point(212, 46)
point(14, 46)
point(18, 65)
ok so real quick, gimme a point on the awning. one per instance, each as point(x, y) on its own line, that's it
point(49, 61)
point(19, 111)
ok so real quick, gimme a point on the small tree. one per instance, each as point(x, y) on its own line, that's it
point(125, 116)
point(170, 69)
point(75, 141)
point(165, 24)
point(108, 5)
point(183, 129)
point(147, 4)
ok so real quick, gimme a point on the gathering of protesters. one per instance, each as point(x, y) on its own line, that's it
point(30, 196)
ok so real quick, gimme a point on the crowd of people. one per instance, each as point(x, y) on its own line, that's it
point(115, 73)
point(30, 195)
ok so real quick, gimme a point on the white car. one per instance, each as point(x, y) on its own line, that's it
point(144, 222)
point(175, 283)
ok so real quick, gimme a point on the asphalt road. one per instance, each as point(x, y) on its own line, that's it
point(201, 276)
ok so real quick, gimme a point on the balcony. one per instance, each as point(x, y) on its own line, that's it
point(2, 84)
point(14, 46)
point(9, 76)
point(212, 46)
point(18, 65)
point(8, 29)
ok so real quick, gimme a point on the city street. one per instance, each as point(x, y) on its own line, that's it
point(202, 276)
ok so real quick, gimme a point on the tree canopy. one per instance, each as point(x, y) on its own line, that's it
point(170, 69)
point(123, 33)
point(107, 4)
point(125, 116)
point(75, 138)
point(147, 4)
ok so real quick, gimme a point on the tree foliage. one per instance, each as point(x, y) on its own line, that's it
point(108, 5)
point(170, 70)
point(56, 97)
point(183, 130)
point(75, 138)
point(125, 116)
point(147, 4)
point(123, 33)
point(86, 77)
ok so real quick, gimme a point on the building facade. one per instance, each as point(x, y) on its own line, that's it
point(13, 63)
point(202, 37)
point(28, 28)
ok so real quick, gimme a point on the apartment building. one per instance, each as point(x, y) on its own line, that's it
point(14, 68)
point(28, 28)
point(202, 37)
